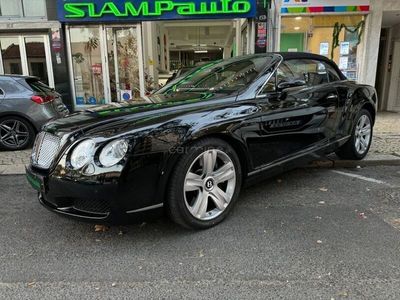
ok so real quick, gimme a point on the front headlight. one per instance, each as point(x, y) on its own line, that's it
point(82, 154)
point(113, 152)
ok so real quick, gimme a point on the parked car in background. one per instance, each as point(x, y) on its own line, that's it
point(201, 138)
point(26, 104)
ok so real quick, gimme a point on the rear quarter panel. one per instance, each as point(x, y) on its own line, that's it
point(352, 98)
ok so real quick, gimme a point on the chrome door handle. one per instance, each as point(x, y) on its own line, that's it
point(332, 97)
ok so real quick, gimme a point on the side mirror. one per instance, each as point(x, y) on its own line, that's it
point(289, 84)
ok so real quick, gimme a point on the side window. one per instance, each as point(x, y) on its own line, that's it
point(311, 71)
point(270, 86)
point(332, 74)
point(282, 74)
point(9, 86)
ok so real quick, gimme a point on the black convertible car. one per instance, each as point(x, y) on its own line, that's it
point(190, 147)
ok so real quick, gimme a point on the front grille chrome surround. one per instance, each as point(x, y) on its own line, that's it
point(45, 150)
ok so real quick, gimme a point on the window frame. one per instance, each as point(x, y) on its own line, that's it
point(260, 94)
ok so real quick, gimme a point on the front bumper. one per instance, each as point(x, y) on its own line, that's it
point(88, 201)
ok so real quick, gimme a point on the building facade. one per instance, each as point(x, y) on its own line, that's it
point(103, 51)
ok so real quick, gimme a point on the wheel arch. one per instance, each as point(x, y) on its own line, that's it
point(172, 159)
point(371, 109)
point(239, 148)
point(21, 116)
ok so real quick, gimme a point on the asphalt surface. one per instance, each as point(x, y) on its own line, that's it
point(307, 234)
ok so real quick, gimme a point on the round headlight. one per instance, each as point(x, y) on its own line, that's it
point(113, 152)
point(82, 154)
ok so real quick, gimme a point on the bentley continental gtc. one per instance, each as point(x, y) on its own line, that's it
point(189, 148)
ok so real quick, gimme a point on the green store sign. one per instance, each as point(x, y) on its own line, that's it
point(72, 11)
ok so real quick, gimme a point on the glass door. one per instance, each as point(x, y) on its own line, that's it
point(87, 65)
point(123, 63)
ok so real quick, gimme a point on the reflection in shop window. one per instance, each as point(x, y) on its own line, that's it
point(315, 34)
point(123, 63)
point(87, 66)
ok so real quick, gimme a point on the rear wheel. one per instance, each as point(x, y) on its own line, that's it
point(359, 143)
point(205, 184)
point(15, 133)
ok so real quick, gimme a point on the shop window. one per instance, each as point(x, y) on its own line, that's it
point(315, 34)
point(87, 65)
point(123, 63)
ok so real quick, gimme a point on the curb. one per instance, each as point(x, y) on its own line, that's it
point(373, 160)
point(17, 169)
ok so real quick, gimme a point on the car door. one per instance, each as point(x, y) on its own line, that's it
point(298, 112)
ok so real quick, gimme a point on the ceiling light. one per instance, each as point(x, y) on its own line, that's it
point(200, 51)
point(297, 28)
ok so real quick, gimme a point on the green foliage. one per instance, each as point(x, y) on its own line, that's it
point(338, 28)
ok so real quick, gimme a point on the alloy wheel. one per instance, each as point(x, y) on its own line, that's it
point(13, 133)
point(209, 184)
point(363, 134)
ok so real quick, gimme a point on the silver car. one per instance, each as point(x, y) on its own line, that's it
point(26, 104)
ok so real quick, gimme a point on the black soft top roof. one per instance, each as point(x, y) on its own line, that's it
point(306, 55)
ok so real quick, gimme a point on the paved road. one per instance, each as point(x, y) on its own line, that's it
point(308, 234)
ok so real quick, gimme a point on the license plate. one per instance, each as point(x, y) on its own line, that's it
point(35, 181)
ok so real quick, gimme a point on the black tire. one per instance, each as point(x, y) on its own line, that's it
point(176, 199)
point(24, 133)
point(348, 150)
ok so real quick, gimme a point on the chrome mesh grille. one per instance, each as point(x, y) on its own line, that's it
point(45, 150)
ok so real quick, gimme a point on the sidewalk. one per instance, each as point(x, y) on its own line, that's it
point(385, 149)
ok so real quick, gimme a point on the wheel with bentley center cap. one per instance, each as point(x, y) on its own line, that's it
point(205, 184)
point(358, 145)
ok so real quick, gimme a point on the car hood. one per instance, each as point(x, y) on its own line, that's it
point(135, 113)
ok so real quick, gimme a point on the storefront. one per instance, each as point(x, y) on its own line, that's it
point(107, 42)
point(332, 29)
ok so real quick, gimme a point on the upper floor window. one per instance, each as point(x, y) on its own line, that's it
point(22, 8)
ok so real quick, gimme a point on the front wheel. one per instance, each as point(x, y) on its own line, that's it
point(359, 143)
point(204, 185)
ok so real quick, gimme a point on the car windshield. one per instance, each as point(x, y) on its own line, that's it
point(227, 76)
